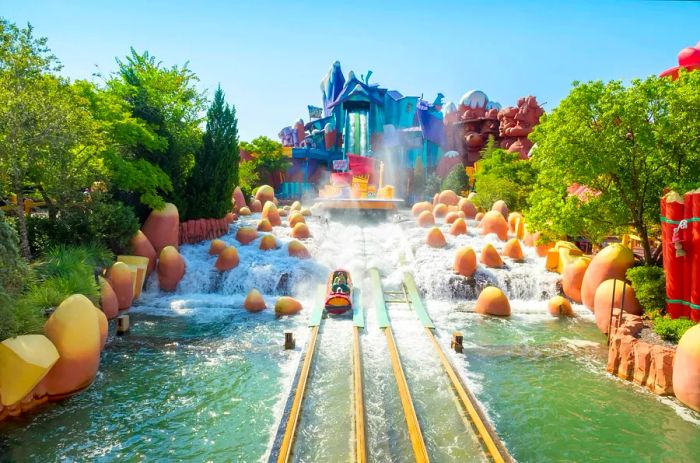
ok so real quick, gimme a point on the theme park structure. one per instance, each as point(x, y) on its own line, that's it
point(359, 119)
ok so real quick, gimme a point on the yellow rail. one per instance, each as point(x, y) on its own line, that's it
point(414, 431)
point(360, 445)
point(293, 419)
point(496, 450)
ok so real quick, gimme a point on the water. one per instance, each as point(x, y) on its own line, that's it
point(200, 379)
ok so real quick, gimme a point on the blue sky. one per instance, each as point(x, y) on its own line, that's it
point(270, 56)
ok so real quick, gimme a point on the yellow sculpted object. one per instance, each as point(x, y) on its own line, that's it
point(24, 361)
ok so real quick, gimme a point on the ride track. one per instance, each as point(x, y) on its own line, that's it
point(475, 421)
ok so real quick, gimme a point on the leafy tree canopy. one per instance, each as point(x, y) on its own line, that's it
point(626, 144)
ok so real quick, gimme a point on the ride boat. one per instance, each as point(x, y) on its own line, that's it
point(339, 292)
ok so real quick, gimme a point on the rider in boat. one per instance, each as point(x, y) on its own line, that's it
point(340, 284)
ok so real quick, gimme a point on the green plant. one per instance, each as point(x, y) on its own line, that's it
point(457, 180)
point(672, 329)
point(432, 185)
point(649, 284)
point(107, 224)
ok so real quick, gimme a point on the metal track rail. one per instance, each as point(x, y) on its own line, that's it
point(414, 431)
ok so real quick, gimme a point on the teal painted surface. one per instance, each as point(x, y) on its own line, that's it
point(319, 306)
point(378, 295)
point(416, 301)
point(358, 311)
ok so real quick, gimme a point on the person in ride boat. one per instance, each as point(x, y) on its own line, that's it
point(340, 284)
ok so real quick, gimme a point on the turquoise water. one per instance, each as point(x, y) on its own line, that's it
point(174, 389)
point(550, 399)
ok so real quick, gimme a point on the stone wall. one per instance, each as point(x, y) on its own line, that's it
point(630, 358)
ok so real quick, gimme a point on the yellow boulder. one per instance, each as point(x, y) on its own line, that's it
point(425, 219)
point(611, 262)
point(228, 259)
point(492, 301)
point(686, 369)
point(254, 301)
point(265, 193)
point(435, 238)
point(560, 307)
point(459, 227)
point(268, 242)
point(246, 235)
point(513, 250)
point(465, 261)
point(264, 225)
point(297, 249)
point(494, 222)
point(74, 329)
point(490, 257)
point(301, 231)
point(286, 305)
point(24, 361)
point(216, 247)
point(270, 213)
point(420, 207)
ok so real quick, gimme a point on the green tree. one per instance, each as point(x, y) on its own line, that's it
point(268, 157)
point(626, 144)
point(166, 100)
point(503, 176)
point(457, 180)
point(216, 168)
point(47, 138)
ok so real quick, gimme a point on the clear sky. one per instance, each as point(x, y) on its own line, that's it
point(270, 56)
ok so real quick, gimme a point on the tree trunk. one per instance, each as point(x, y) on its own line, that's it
point(22, 225)
point(49, 204)
point(648, 255)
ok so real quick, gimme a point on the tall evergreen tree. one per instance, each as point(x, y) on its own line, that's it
point(215, 173)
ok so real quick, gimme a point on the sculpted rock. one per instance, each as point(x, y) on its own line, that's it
point(502, 207)
point(238, 199)
point(494, 222)
point(573, 278)
point(108, 299)
point(286, 305)
point(440, 210)
point(448, 197)
point(216, 247)
point(254, 301)
point(162, 227)
point(230, 218)
point(686, 369)
point(420, 207)
point(300, 231)
point(228, 259)
point(256, 206)
point(297, 249)
point(611, 262)
point(121, 280)
point(24, 362)
point(425, 219)
point(479, 216)
point(171, 268)
point(264, 225)
point(265, 193)
point(604, 297)
point(435, 238)
point(246, 235)
point(459, 227)
point(295, 218)
point(560, 307)
point(296, 206)
point(141, 246)
point(466, 206)
point(244, 211)
point(270, 213)
point(268, 242)
point(490, 257)
point(74, 330)
point(465, 261)
point(513, 250)
point(492, 301)
point(451, 217)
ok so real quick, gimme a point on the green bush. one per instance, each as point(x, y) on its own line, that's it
point(672, 330)
point(457, 180)
point(98, 222)
point(432, 185)
point(491, 188)
point(649, 284)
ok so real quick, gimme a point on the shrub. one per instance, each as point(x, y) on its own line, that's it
point(13, 269)
point(457, 180)
point(105, 224)
point(432, 185)
point(672, 329)
point(649, 283)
